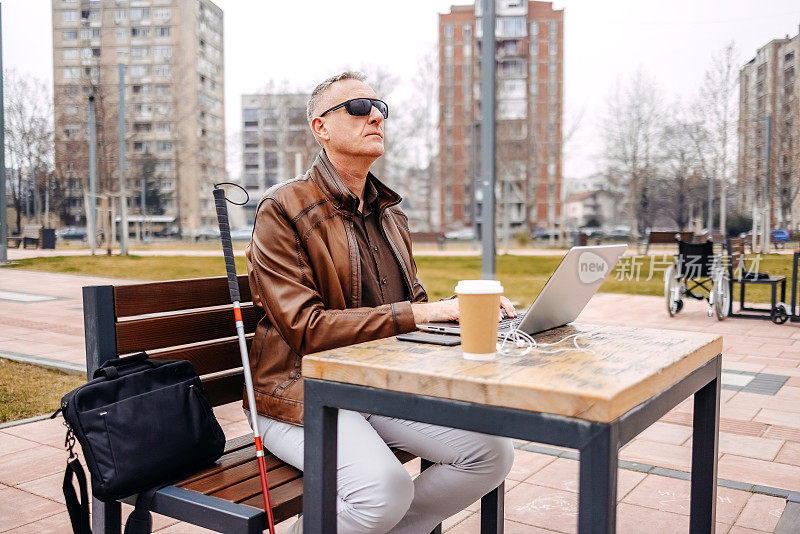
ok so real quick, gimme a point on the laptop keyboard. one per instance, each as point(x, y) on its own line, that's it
point(510, 323)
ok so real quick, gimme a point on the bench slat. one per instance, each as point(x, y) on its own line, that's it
point(232, 475)
point(207, 357)
point(227, 461)
point(286, 500)
point(182, 329)
point(225, 388)
point(158, 297)
point(252, 486)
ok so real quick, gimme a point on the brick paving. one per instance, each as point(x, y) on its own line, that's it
point(759, 433)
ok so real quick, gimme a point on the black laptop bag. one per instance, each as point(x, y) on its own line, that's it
point(141, 423)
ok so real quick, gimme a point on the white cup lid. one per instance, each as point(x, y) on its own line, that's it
point(478, 287)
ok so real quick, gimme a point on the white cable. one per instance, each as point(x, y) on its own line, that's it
point(523, 340)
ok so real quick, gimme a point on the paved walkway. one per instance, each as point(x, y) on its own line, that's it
point(41, 318)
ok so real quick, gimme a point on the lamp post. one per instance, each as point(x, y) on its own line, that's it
point(488, 167)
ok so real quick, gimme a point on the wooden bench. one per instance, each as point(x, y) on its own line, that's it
point(31, 234)
point(669, 237)
point(436, 238)
point(192, 320)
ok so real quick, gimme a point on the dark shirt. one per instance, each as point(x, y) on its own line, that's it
point(381, 278)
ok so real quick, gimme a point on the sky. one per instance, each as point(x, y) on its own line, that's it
point(297, 44)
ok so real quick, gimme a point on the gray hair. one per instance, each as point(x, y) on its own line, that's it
point(316, 94)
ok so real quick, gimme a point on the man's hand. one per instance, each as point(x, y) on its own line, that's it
point(443, 310)
point(447, 310)
point(506, 305)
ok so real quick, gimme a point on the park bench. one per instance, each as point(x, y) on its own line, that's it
point(436, 238)
point(192, 320)
point(669, 237)
point(31, 234)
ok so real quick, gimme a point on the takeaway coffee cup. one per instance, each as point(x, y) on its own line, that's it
point(478, 309)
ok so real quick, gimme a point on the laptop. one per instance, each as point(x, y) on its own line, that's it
point(576, 279)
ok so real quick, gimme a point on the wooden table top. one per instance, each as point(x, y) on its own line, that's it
point(614, 369)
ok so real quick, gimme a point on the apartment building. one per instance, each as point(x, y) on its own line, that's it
point(529, 98)
point(277, 143)
point(172, 52)
point(769, 132)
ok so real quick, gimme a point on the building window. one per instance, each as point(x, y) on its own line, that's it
point(139, 70)
point(140, 51)
point(141, 147)
point(163, 108)
point(553, 29)
point(140, 32)
point(69, 15)
point(467, 51)
point(163, 70)
point(448, 51)
point(164, 127)
point(448, 31)
point(466, 32)
point(141, 89)
point(122, 34)
point(161, 31)
point(162, 90)
point(510, 27)
point(139, 13)
point(69, 35)
point(512, 89)
point(512, 69)
point(553, 48)
point(142, 127)
point(513, 109)
point(90, 33)
point(71, 73)
point(161, 13)
point(90, 14)
point(270, 160)
point(162, 51)
point(121, 14)
point(534, 49)
point(164, 146)
point(71, 110)
point(71, 131)
point(70, 53)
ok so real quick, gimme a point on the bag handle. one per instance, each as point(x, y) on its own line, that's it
point(111, 368)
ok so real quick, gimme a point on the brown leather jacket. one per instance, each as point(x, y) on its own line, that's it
point(305, 273)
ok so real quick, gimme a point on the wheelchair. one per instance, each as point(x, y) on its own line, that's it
point(700, 274)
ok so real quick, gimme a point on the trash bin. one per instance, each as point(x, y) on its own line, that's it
point(47, 238)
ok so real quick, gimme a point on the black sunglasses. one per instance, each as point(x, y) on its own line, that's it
point(361, 107)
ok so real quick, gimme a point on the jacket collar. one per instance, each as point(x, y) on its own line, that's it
point(326, 177)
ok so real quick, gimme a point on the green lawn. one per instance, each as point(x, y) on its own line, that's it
point(522, 276)
point(29, 390)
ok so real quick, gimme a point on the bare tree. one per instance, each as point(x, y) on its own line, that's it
point(630, 128)
point(716, 112)
point(29, 142)
point(679, 182)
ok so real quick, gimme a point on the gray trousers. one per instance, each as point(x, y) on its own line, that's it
point(375, 492)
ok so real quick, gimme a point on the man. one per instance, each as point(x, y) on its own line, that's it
point(330, 263)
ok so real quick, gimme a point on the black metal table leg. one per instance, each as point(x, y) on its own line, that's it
point(597, 498)
point(319, 474)
point(705, 443)
point(492, 510)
